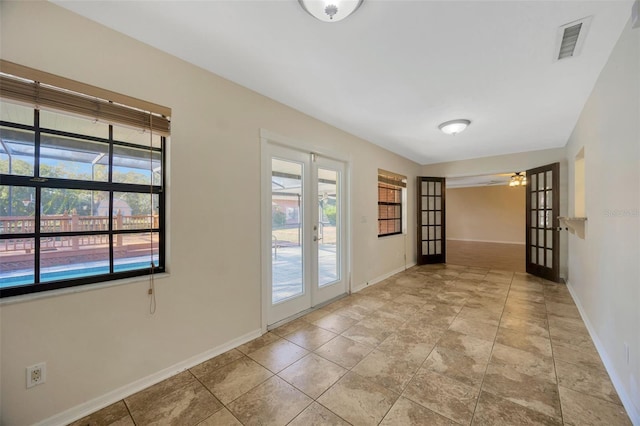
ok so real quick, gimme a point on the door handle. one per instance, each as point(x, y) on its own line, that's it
point(315, 238)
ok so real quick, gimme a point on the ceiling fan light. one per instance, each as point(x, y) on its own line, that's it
point(518, 180)
point(330, 10)
point(454, 127)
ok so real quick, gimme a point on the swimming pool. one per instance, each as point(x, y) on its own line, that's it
point(79, 270)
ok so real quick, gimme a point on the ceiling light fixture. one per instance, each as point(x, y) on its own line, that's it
point(454, 127)
point(518, 180)
point(330, 10)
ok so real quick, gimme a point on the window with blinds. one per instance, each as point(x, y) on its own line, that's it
point(81, 183)
point(391, 187)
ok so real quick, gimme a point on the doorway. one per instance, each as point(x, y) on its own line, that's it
point(305, 230)
point(486, 222)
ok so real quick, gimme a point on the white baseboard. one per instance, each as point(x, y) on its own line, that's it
point(486, 241)
point(86, 408)
point(632, 410)
point(382, 277)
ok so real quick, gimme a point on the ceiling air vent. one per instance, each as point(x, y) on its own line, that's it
point(571, 38)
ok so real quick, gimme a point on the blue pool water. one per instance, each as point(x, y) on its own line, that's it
point(79, 271)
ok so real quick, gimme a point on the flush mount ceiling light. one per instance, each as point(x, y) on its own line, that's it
point(454, 127)
point(330, 10)
point(518, 180)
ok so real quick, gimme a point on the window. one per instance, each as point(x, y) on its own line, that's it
point(391, 197)
point(81, 188)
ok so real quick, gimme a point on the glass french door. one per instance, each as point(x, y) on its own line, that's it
point(431, 220)
point(543, 236)
point(305, 234)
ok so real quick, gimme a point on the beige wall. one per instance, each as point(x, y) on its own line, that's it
point(97, 343)
point(486, 213)
point(604, 267)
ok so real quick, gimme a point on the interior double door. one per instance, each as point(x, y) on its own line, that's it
point(304, 237)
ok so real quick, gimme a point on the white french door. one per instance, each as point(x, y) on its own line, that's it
point(304, 230)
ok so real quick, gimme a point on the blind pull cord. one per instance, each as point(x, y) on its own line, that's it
point(152, 286)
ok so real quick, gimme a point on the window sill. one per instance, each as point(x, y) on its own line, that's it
point(79, 289)
point(400, 234)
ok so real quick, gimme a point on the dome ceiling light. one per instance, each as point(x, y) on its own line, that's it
point(330, 10)
point(454, 127)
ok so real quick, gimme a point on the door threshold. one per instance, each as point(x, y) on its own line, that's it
point(305, 312)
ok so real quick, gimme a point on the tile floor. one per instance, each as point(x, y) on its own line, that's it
point(435, 345)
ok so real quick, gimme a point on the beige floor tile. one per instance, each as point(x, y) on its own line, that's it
point(355, 312)
point(581, 341)
point(231, 381)
point(579, 409)
point(524, 362)
point(573, 355)
point(310, 337)
point(368, 302)
point(483, 315)
point(410, 345)
point(385, 319)
point(115, 415)
point(274, 402)
point(495, 411)
point(452, 297)
point(522, 309)
point(563, 310)
point(256, 344)
point(400, 309)
point(474, 328)
point(407, 413)
point(533, 326)
point(393, 371)
point(473, 274)
point(533, 392)
point(221, 418)
point(290, 327)
point(408, 299)
point(278, 355)
point(446, 396)
point(526, 296)
point(465, 344)
point(367, 332)
point(524, 341)
point(435, 314)
point(464, 368)
point(317, 415)
point(176, 401)
point(216, 362)
point(358, 400)
point(344, 352)
point(312, 374)
point(493, 304)
point(574, 325)
point(315, 315)
point(591, 381)
point(335, 323)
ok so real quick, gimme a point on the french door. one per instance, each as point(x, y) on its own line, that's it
point(431, 220)
point(543, 236)
point(304, 231)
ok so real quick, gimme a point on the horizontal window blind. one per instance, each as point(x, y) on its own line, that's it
point(20, 86)
point(391, 178)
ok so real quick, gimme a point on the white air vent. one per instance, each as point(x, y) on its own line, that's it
point(571, 38)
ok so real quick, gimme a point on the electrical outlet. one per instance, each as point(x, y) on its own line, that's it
point(36, 374)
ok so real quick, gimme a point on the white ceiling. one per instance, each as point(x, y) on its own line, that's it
point(394, 70)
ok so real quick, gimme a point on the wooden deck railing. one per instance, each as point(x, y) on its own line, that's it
point(69, 223)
